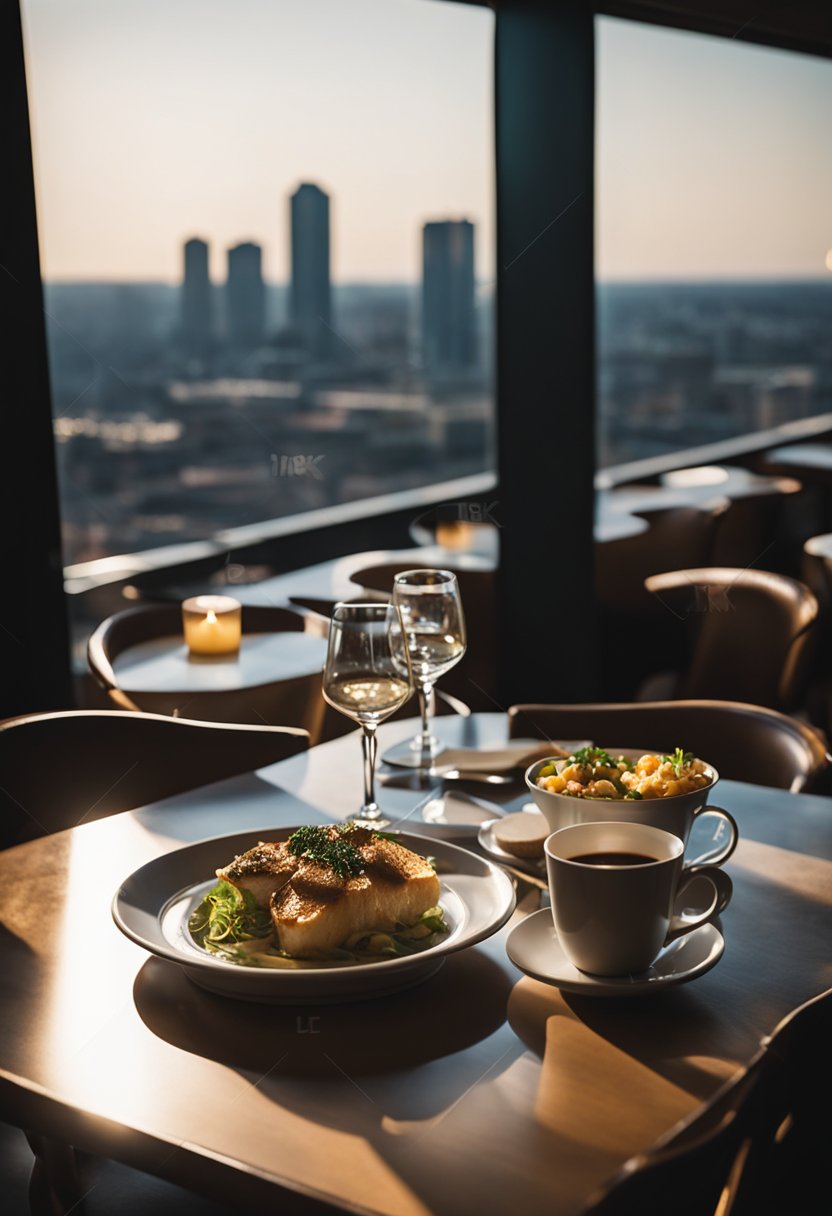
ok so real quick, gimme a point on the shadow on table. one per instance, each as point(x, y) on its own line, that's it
point(690, 1034)
point(360, 1048)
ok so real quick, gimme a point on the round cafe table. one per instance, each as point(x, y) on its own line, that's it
point(274, 679)
point(166, 665)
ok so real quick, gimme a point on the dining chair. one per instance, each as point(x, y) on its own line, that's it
point(757, 1148)
point(631, 623)
point(58, 770)
point(293, 701)
point(752, 636)
point(474, 679)
point(743, 742)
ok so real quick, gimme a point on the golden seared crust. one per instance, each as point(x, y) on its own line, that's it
point(264, 858)
point(262, 870)
point(318, 881)
point(392, 861)
point(310, 919)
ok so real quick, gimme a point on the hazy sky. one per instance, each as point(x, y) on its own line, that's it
point(155, 120)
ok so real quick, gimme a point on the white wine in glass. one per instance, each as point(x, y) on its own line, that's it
point(432, 617)
point(367, 676)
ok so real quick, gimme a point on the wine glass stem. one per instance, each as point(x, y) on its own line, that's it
point(424, 691)
point(369, 747)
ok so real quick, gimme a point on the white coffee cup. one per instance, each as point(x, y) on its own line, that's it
point(613, 917)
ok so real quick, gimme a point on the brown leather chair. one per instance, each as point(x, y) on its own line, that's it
point(473, 680)
point(752, 635)
point(296, 701)
point(759, 1147)
point(744, 742)
point(63, 769)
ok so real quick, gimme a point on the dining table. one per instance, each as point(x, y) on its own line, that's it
point(478, 1090)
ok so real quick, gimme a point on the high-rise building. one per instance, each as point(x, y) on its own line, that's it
point(245, 300)
point(197, 312)
point(449, 341)
point(310, 306)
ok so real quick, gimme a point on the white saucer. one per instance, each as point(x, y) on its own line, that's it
point(489, 845)
point(534, 947)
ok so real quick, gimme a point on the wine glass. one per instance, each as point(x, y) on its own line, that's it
point(367, 676)
point(431, 612)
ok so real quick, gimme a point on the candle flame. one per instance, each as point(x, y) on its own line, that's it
point(211, 617)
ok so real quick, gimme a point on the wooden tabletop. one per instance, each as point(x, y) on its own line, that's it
point(479, 1091)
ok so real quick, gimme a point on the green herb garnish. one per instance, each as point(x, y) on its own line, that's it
point(336, 852)
point(593, 756)
point(679, 759)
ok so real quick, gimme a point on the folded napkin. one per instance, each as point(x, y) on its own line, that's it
point(506, 759)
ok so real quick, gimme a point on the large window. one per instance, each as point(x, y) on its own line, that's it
point(714, 239)
point(267, 243)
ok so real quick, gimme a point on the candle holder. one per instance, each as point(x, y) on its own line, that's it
point(212, 624)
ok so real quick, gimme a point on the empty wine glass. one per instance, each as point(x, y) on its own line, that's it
point(367, 676)
point(431, 613)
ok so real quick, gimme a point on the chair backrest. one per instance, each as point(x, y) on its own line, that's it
point(62, 769)
point(759, 1145)
point(474, 678)
point(296, 701)
point(753, 633)
point(744, 742)
point(631, 622)
point(751, 524)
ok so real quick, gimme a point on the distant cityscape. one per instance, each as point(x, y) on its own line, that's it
point(183, 410)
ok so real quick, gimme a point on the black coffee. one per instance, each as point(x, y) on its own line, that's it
point(614, 859)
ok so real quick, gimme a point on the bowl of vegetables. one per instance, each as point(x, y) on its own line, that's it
point(668, 791)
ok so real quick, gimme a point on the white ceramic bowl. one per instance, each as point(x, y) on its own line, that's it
point(675, 814)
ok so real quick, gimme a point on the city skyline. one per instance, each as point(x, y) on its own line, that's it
point(679, 185)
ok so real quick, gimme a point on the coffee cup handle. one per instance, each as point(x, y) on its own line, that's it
point(722, 889)
point(720, 853)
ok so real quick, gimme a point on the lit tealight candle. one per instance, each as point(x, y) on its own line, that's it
point(212, 624)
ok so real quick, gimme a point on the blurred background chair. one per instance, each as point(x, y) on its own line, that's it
point(744, 742)
point(474, 679)
point(62, 769)
point(750, 526)
point(758, 1147)
point(285, 689)
point(634, 630)
point(748, 635)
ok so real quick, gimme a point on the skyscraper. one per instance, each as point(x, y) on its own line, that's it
point(311, 295)
point(448, 320)
point(197, 312)
point(245, 301)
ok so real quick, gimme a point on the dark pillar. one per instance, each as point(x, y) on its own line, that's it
point(545, 342)
point(34, 639)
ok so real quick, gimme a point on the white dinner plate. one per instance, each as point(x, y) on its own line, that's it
point(153, 905)
point(533, 946)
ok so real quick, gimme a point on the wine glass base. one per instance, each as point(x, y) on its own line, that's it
point(362, 821)
point(411, 754)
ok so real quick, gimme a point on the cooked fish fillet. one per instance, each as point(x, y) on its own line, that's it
point(262, 870)
point(317, 911)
